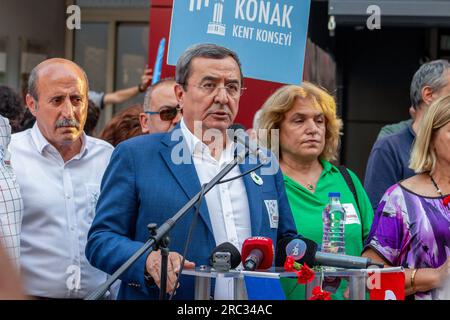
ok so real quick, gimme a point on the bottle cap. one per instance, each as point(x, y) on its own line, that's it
point(334, 194)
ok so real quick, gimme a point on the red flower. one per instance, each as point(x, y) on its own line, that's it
point(446, 201)
point(305, 275)
point(291, 265)
point(319, 294)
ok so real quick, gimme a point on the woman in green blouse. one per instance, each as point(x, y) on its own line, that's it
point(309, 135)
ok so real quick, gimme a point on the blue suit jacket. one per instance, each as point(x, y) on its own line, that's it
point(143, 185)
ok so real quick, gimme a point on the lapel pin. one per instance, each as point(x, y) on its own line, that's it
point(257, 179)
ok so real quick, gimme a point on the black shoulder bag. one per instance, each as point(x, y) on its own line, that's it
point(348, 179)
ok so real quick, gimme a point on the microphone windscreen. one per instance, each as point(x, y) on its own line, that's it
point(296, 248)
point(302, 249)
point(309, 257)
point(264, 245)
point(280, 256)
point(235, 259)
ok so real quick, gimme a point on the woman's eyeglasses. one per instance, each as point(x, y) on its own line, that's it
point(166, 113)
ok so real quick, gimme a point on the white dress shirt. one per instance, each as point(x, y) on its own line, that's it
point(59, 206)
point(11, 206)
point(227, 202)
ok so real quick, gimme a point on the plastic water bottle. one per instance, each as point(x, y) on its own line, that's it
point(333, 217)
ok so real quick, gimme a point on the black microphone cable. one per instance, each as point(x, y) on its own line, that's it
point(241, 175)
point(188, 240)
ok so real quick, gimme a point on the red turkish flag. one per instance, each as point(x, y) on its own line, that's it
point(386, 285)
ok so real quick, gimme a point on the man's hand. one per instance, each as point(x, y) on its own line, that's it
point(153, 266)
point(123, 95)
point(146, 79)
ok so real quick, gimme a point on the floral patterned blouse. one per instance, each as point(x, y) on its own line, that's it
point(412, 231)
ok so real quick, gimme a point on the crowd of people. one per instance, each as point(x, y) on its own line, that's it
point(76, 203)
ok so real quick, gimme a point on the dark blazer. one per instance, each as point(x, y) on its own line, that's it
point(143, 185)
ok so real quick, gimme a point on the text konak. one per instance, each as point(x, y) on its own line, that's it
point(265, 12)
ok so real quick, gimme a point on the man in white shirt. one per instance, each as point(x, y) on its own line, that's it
point(11, 205)
point(152, 176)
point(59, 170)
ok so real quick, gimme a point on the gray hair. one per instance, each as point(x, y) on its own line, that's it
point(211, 51)
point(34, 78)
point(148, 95)
point(429, 74)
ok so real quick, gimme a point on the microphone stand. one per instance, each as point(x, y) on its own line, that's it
point(159, 236)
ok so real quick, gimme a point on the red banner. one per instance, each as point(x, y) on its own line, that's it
point(386, 285)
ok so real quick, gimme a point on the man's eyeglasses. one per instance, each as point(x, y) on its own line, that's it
point(234, 90)
point(166, 113)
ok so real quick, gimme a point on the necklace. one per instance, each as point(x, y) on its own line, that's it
point(308, 185)
point(446, 200)
point(436, 186)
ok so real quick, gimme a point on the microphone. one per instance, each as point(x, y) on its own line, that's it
point(220, 252)
point(257, 253)
point(306, 251)
point(237, 133)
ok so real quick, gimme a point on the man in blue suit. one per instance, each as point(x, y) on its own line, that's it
point(151, 177)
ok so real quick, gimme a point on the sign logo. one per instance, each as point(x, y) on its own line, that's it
point(215, 26)
point(199, 4)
